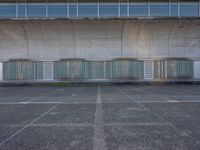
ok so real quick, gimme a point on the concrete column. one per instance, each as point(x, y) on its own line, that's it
point(1, 71)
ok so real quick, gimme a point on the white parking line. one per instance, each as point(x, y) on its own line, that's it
point(139, 103)
point(99, 137)
point(19, 131)
point(50, 103)
point(32, 122)
point(156, 114)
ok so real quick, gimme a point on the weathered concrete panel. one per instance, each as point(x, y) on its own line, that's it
point(99, 39)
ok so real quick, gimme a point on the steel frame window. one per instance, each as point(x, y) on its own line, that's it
point(159, 9)
point(189, 8)
point(120, 8)
point(36, 7)
point(7, 7)
point(103, 7)
point(61, 10)
point(86, 6)
point(138, 9)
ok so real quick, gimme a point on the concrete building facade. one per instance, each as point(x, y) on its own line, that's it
point(149, 40)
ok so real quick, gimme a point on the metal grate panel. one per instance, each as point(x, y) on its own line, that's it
point(173, 69)
point(196, 69)
point(148, 70)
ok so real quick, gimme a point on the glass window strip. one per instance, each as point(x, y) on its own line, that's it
point(59, 9)
point(16, 9)
point(46, 9)
point(40, 8)
point(189, 9)
point(21, 10)
point(84, 8)
point(175, 8)
point(159, 9)
point(138, 9)
point(169, 8)
point(107, 7)
point(7, 10)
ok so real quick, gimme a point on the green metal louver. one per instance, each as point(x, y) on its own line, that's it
point(173, 69)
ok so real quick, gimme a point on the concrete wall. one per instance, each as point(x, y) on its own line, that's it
point(51, 40)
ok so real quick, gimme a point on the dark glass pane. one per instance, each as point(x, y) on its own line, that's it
point(21, 10)
point(72, 10)
point(159, 9)
point(7, 10)
point(108, 10)
point(57, 10)
point(36, 10)
point(87, 10)
point(189, 9)
point(123, 10)
point(174, 9)
point(138, 9)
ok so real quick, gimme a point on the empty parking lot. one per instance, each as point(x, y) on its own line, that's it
point(118, 117)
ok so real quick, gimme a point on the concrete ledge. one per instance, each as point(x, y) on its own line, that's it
point(98, 82)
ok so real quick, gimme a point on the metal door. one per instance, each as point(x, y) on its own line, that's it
point(1, 71)
point(48, 70)
point(148, 70)
point(97, 70)
point(197, 69)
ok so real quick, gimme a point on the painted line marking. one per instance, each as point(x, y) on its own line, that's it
point(156, 114)
point(99, 135)
point(19, 131)
point(139, 124)
point(77, 125)
point(68, 125)
point(32, 122)
point(137, 102)
point(109, 102)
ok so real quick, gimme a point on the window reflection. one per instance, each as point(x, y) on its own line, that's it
point(159, 9)
point(7, 10)
point(189, 9)
point(87, 10)
point(21, 10)
point(57, 10)
point(73, 10)
point(36, 10)
point(123, 10)
point(108, 10)
point(114, 8)
point(174, 8)
point(138, 9)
